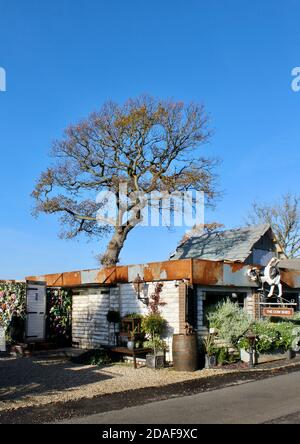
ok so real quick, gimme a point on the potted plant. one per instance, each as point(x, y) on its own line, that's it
point(210, 351)
point(153, 326)
point(156, 359)
point(132, 336)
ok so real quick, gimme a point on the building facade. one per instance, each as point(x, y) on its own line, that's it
point(189, 287)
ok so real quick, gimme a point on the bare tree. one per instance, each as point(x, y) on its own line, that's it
point(284, 218)
point(147, 144)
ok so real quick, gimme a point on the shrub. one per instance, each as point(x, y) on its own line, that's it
point(271, 336)
point(153, 324)
point(99, 358)
point(230, 321)
point(296, 316)
point(59, 321)
point(243, 343)
point(223, 356)
point(156, 343)
point(92, 357)
point(12, 305)
point(208, 344)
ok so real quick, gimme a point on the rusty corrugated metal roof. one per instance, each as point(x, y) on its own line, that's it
point(290, 264)
point(196, 271)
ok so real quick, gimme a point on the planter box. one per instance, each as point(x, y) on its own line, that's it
point(155, 361)
point(210, 361)
point(259, 358)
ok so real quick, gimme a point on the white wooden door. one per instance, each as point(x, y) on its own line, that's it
point(2, 340)
point(36, 311)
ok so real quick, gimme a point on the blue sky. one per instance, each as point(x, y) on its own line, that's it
point(64, 58)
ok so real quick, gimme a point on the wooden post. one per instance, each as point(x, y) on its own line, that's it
point(182, 308)
point(256, 306)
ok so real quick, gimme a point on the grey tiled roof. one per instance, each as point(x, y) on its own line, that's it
point(231, 245)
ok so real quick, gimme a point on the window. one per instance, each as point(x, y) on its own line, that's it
point(292, 297)
point(214, 297)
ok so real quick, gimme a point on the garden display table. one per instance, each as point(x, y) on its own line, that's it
point(134, 353)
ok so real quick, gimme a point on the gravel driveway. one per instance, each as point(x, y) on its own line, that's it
point(32, 381)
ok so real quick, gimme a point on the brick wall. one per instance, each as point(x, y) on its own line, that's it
point(201, 329)
point(182, 289)
point(255, 312)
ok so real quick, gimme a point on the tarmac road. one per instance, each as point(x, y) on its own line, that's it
point(273, 400)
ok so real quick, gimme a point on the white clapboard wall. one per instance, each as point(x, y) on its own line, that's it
point(90, 328)
point(36, 311)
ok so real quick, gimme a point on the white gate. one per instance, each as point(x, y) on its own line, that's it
point(36, 311)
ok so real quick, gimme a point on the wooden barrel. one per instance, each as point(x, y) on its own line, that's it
point(185, 353)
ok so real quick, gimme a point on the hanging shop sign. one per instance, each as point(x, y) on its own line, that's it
point(282, 312)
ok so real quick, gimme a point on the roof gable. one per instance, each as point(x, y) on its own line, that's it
point(233, 245)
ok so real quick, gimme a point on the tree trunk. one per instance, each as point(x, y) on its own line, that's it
point(112, 253)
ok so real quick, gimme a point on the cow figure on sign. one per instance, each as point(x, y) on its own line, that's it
point(269, 275)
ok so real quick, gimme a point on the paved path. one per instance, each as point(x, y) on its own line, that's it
point(253, 402)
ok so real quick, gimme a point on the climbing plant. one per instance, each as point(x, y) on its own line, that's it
point(59, 319)
point(12, 303)
point(155, 300)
